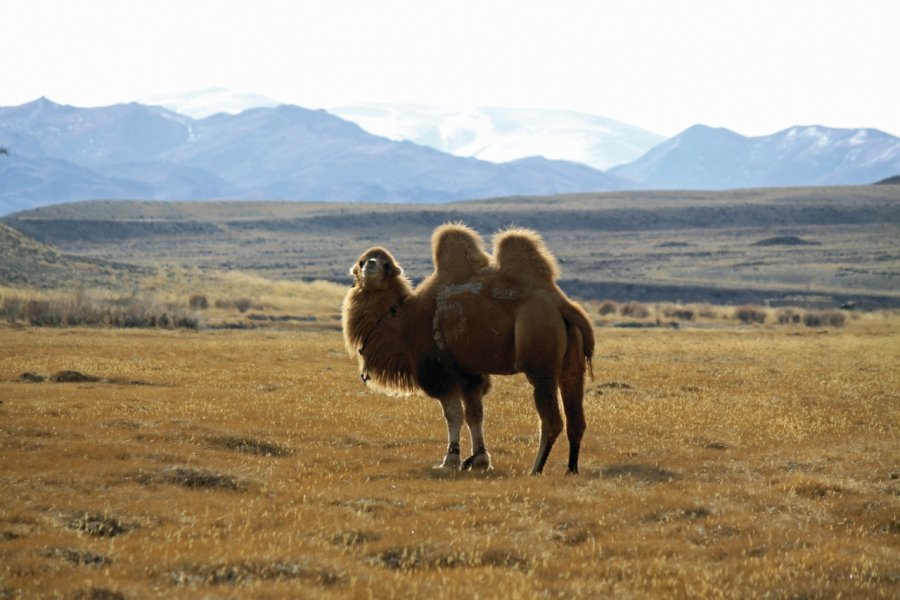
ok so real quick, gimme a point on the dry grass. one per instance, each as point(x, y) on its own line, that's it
point(726, 462)
point(181, 298)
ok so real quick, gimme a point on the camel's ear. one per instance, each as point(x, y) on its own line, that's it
point(354, 273)
point(392, 270)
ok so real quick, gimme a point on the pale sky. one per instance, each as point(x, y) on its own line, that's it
point(754, 66)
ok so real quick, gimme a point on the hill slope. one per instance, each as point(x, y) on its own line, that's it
point(25, 262)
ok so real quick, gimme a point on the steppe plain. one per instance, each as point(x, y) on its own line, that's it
point(243, 457)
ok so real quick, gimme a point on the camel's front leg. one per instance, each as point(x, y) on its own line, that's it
point(474, 407)
point(453, 413)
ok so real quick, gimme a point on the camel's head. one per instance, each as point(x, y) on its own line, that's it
point(375, 268)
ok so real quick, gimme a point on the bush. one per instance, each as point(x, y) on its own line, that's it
point(608, 307)
point(813, 319)
point(635, 310)
point(788, 317)
point(706, 311)
point(198, 302)
point(82, 310)
point(750, 314)
point(835, 318)
point(241, 304)
point(679, 313)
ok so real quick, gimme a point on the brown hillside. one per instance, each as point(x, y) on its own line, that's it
point(27, 262)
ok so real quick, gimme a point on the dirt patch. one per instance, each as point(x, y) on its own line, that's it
point(640, 472)
point(250, 446)
point(244, 572)
point(600, 388)
point(505, 559)
point(785, 240)
point(354, 538)
point(407, 558)
point(98, 594)
point(73, 377)
point(404, 558)
point(193, 479)
point(79, 557)
point(29, 377)
point(98, 525)
point(571, 533)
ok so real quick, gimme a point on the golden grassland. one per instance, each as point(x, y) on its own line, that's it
point(232, 299)
point(728, 461)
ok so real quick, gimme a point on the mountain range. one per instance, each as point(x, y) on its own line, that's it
point(703, 157)
point(492, 134)
point(59, 153)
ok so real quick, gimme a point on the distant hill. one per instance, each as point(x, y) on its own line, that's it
point(504, 134)
point(895, 180)
point(714, 158)
point(61, 153)
point(812, 245)
point(25, 262)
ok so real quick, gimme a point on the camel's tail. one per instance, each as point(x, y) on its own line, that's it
point(577, 316)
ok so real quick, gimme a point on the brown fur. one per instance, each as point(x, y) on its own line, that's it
point(457, 252)
point(522, 253)
point(472, 318)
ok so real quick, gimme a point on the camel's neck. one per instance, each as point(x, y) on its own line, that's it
point(376, 331)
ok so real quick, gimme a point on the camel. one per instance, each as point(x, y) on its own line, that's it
point(477, 315)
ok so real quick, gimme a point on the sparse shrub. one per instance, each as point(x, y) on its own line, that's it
point(243, 304)
point(706, 311)
point(37, 312)
point(812, 319)
point(750, 314)
point(680, 313)
point(11, 307)
point(198, 302)
point(635, 310)
point(608, 307)
point(834, 318)
point(788, 316)
point(84, 310)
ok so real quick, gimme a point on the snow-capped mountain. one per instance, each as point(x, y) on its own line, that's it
point(61, 153)
point(505, 134)
point(703, 157)
point(209, 101)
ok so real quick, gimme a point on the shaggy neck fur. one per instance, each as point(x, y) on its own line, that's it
point(376, 332)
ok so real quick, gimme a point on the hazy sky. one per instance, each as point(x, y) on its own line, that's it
point(755, 66)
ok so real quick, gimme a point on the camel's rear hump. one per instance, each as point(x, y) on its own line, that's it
point(521, 253)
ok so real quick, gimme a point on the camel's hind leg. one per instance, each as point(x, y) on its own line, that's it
point(453, 413)
point(475, 390)
point(571, 384)
point(551, 421)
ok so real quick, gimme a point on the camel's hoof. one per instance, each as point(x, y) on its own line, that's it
point(481, 460)
point(451, 461)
